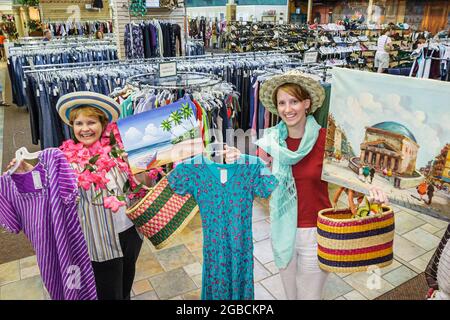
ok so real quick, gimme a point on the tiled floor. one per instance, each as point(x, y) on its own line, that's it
point(175, 272)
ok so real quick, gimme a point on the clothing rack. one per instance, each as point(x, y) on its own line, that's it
point(44, 86)
point(186, 81)
point(207, 57)
point(60, 45)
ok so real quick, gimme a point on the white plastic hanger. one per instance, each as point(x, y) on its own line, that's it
point(215, 152)
point(22, 154)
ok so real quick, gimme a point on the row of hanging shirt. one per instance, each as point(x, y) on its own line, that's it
point(43, 90)
point(195, 48)
point(48, 55)
point(106, 77)
point(432, 61)
point(149, 39)
point(210, 31)
point(214, 111)
point(70, 28)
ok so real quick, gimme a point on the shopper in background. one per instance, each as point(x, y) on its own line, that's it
point(47, 35)
point(420, 42)
point(297, 146)
point(99, 33)
point(2, 45)
point(384, 46)
point(430, 192)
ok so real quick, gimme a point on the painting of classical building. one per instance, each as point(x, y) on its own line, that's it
point(387, 133)
point(390, 145)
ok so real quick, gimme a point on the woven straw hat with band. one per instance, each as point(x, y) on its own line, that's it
point(73, 100)
point(307, 82)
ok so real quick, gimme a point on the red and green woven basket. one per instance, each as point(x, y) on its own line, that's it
point(347, 244)
point(162, 214)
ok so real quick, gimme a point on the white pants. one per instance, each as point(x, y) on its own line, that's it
point(382, 60)
point(302, 278)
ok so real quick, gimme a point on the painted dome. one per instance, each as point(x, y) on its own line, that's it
point(395, 127)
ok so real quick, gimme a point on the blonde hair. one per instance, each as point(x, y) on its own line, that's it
point(294, 90)
point(89, 111)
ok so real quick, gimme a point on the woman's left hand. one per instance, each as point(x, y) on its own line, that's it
point(232, 154)
point(377, 195)
point(125, 157)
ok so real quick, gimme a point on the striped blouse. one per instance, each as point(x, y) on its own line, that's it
point(42, 203)
point(101, 226)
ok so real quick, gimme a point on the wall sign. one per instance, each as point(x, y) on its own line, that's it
point(167, 69)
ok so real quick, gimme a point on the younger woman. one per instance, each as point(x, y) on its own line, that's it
point(297, 146)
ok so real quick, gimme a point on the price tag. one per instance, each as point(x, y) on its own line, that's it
point(310, 57)
point(95, 81)
point(167, 69)
point(55, 91)
point(24, 84)
point(37, 180)
point(37, 93)
point(223, 175)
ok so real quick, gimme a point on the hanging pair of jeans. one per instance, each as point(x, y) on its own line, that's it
point(52, 135)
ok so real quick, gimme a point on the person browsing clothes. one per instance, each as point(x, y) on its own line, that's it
point(384, 46)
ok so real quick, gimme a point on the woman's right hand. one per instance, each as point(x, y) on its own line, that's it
point(23, 167)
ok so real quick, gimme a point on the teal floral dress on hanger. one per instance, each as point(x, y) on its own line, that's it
point(226, 213)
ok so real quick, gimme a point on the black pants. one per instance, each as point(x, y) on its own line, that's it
point(114, 278)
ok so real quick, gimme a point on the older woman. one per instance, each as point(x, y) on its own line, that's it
point(96, 157)
point(113, 241)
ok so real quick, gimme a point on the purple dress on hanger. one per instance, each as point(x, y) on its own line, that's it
point(43, 204)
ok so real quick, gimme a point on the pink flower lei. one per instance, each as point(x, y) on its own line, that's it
point(97, 160)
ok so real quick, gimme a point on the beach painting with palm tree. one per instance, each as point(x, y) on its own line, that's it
point(160, 136)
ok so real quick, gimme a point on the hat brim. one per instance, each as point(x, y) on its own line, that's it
point(306, 82)
point(74, 100)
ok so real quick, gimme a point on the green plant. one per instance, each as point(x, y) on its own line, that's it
point(9, 27)
point(31, 3)
point(34, 25)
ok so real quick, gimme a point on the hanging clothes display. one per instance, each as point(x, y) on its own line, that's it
point(97, 4)
point(48, 55)
point(210, 101)
point(79, 28)
point(427, 64)
point(195, 48)
point(138, 7)
point(43, 204)
point(42, 90)
point(226, 211)
point(150, 39)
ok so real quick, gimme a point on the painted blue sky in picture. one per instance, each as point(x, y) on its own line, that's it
point(362, 99)
point(144, 129)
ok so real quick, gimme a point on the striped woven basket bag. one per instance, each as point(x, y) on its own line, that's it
point(347, 244)
point(162, 214)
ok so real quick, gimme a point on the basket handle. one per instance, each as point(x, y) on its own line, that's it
point(350, 194)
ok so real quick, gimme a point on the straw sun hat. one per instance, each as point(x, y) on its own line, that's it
point(74, 100)
point(307, 82)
